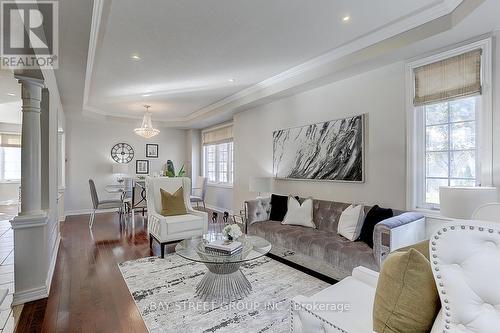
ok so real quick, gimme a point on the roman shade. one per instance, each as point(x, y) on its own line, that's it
point(217, 135)
point(451, 78)
point(10, 140)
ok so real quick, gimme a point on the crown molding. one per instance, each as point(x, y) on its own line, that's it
point(301, 74)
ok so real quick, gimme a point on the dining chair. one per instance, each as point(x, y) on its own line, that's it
point(104, 204)
point(137, 198)
point(198, 193)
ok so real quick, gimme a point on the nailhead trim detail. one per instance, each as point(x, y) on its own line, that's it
point(436, 268)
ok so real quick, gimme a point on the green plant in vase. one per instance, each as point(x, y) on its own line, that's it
point(170, 172)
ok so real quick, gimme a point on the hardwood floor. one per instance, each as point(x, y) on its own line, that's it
point(88, 293)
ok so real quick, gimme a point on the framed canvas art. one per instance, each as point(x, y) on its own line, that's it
point(332, 151)
point(142, 167)
point(151, 150)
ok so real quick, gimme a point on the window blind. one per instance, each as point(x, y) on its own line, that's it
point(10, 140)
point(217, 135)
point(451, 78)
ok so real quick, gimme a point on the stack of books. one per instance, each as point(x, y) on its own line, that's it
point(224, 246)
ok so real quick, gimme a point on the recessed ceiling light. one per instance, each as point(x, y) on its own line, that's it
point(231, 80)
point(135, 57)
point(146, 95)
point(346, 18)
point(11, 94)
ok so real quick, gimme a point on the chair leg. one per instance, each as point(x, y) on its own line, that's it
point(204, 206)
point(150, 241)
point(162, 250)
point(143, 212)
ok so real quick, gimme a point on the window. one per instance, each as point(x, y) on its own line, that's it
point(450, 146)
point(450, 117)
point(218, 166)
point(10, 157)
point(218, 154)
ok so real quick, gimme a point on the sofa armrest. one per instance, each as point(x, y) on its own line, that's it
point(397, 232)
point(365, 275)
point(303, 319)
point(201, 214)
point(257, 210)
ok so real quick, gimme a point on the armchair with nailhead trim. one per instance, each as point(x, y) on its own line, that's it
point(465, 260)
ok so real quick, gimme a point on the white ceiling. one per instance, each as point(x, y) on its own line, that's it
point(10, 98)
point(191, 50)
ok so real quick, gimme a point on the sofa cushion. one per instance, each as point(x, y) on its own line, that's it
point(320, 245)
point(279, 207)
point(182, 223)
point(326, 214)
point(406, 299)
point(299, 213)
point(172, 204)
point(351, 222)
point(374, 216)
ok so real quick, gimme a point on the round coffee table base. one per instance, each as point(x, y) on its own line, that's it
point(224, 285)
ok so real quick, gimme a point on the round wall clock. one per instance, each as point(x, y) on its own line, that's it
point(122, 153)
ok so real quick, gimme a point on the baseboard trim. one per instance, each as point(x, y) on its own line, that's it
point(88, 211)
point(52, 264)
point(29, 295)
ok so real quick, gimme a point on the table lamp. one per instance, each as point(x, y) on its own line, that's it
point(461, 202)
point(260, 184)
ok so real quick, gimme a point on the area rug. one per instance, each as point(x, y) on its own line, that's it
point(163, 290)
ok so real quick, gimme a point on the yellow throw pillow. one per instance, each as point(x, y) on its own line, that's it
point(422, 247)
point(406, 299)
point(172, 204)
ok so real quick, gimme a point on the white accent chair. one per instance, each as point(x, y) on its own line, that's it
point(170, 229)
point(356, 291)
point(465, 259)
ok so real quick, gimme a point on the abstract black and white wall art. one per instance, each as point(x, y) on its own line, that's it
point(332, 150)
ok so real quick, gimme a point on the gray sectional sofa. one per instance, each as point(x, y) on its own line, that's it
point(322, 249)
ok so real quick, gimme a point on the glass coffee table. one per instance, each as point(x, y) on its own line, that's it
point(224, 280)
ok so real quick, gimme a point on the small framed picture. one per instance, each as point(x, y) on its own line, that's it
point(151, 150)
point(142, 167)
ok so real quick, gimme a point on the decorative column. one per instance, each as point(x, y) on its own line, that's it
point(31, 269)
point(31, 93)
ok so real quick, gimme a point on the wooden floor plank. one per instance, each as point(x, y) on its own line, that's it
point(88, 293)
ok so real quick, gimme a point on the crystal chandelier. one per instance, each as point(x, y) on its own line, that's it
point(146, 130)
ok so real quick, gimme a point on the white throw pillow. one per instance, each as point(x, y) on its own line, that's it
point(298, 214)
point(351, 222)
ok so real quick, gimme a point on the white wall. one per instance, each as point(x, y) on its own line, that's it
point(496, 109)
point(88, 152)
point(379, 94)
point(220, 198)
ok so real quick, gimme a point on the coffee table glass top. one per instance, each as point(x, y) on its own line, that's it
point(194, 249)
